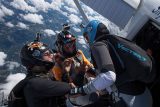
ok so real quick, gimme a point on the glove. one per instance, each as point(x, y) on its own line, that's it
point(75, 91)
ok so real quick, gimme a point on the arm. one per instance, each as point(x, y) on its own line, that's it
point(45, 88)
point(105, 67)
point(85, 60)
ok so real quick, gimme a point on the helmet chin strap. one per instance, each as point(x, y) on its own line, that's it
point(39, 69)
point(42, 69)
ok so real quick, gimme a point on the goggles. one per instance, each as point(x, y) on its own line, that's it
point(39, 49)
point(47, 53)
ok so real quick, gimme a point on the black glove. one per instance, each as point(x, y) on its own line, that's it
point(79, 90)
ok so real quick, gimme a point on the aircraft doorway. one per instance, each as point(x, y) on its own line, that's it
point(149, 39)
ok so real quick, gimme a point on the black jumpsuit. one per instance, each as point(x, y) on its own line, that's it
point(43, 92)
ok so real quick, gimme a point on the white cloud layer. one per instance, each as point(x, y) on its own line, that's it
point(34, 18)
point(9, 24)
point(3, 56)
point(11, 80)
point(22, 25)
point(49, 32)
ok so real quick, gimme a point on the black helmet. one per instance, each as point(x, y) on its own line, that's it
point(31, 55)
point(63, 38)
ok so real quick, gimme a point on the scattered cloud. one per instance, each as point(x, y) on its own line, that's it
point(1, 15)
point(76, 29)
point(34, 18)
point(5, 12)
point(71, 10)
point(3, 56)
point(22, 25)
point(9, 24)
point(11, 65)
point(74, 19)
point(22, 5)
point(57, 4)
point(49, 32)
point(41, 5)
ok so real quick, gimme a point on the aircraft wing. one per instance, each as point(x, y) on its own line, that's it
point(117, 11)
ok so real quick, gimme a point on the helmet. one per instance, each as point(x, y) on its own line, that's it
point(63, 38)
point(32, 55)
point(93, 29)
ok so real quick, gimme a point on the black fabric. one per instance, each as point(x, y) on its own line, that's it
point(117, 61)
point(38, 91)
point(43, 92)
point(132, 65)
point(101, 30)
point(16, 96)
point(138, 65)
point(132, 88)
point(120, 103)
point(103, 101)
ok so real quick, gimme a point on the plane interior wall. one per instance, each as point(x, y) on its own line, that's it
point(149, 39)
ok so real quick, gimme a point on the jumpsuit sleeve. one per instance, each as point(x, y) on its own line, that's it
point(57, 72)
point(45, 88)
point(106, 76)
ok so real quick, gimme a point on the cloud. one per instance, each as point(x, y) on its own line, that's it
point(9, 24)
point(22, 5)
point(74, 19)
point(3, 56)
point(5, 12)
point(49, 32)
point(56, 4)
point(41, 5)
point(11, 65)
point(71, 10)
point(11, 80)
point(38, 5)
point(76, 29)
point(34, 18)
point(1, 15)
point(22, 25)
point(82, 42)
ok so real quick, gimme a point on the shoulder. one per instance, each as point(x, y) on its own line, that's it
point(99, 44)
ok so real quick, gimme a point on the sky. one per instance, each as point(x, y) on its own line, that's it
point(31, 14)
